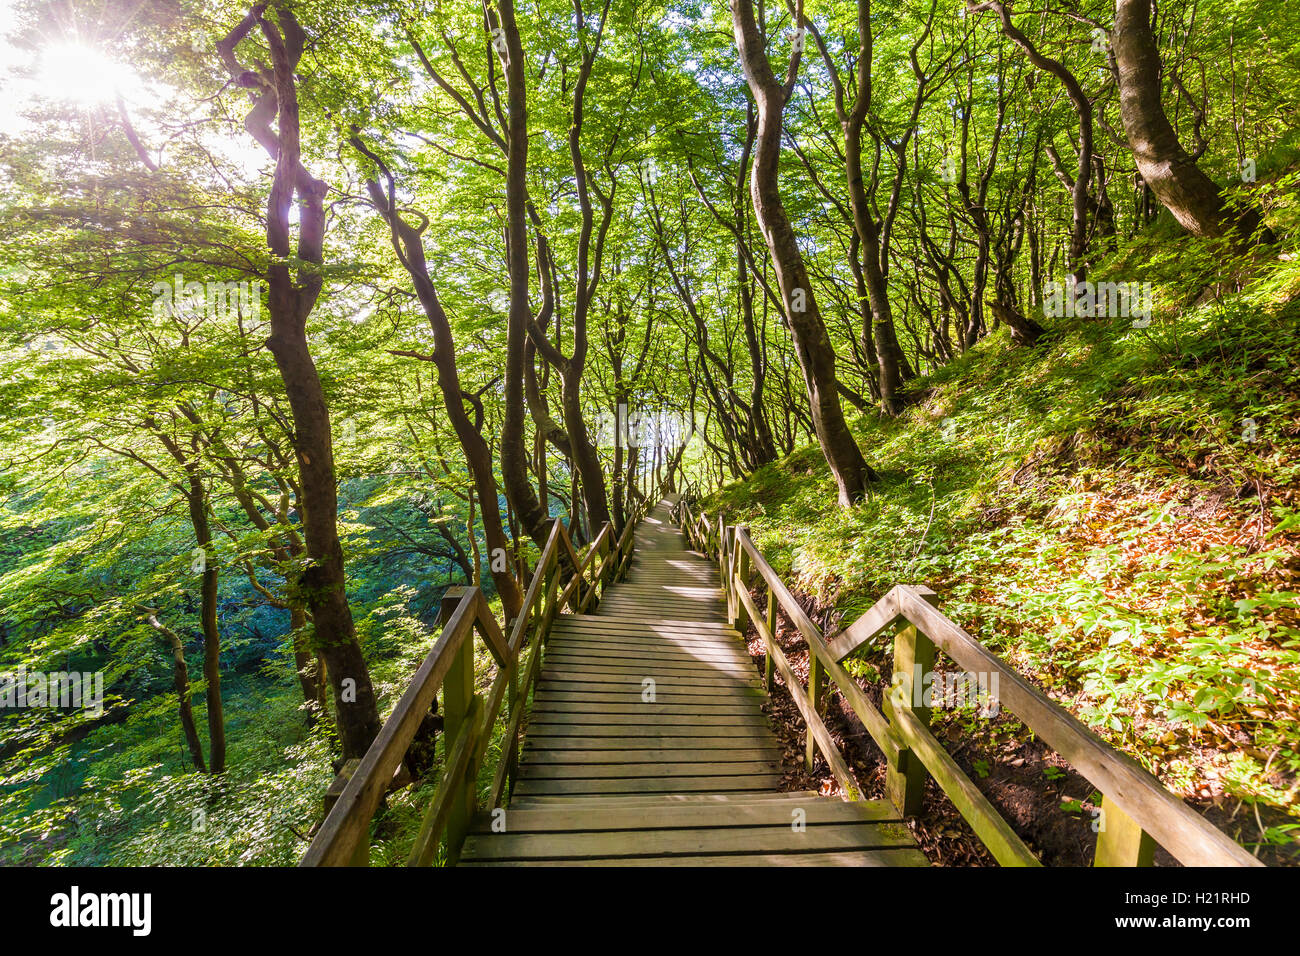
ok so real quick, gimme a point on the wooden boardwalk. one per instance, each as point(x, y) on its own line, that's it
point(646, 743)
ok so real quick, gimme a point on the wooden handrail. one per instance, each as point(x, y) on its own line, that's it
point(348, 822)
point(1137, 808)
point(343, 837)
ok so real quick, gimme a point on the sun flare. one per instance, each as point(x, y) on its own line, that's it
point(81, 74)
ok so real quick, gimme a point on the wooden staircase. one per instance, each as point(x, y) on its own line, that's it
point(646, 743)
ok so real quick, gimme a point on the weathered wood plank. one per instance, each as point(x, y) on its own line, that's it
point(616, 664)
point(544, 736)
point(1175, 826)
point(610, 816)
point(892, 856)
point(582, 705)
point(652, 770)
point(550, 721)
point(663, 678)
point(657, 784)
point(631, 756)
point(774, 839)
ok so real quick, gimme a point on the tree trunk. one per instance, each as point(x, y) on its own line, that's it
point(514, 452)
point(1081, 202)
point(197, 501)
point(478, 457)
point(1174, 178)
point(322, 583)
point(181, 681)
point(812, 343)
point(1024, 330)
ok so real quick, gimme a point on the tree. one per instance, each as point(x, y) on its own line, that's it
point(1178, 183)
point(812, 343)
point(291, 299)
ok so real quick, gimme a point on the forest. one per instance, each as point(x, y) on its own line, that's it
point(313, 310)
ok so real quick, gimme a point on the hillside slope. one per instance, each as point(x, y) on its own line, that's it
point(1115, 513)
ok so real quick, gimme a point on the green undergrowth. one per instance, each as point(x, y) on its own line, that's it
point(126, 794)
point(1114, 511)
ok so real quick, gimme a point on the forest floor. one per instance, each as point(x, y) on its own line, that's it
point(1116, 512)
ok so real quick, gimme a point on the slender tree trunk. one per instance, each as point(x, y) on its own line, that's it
point(181, 681)
point(322, 582)
point(1081, 202)
point(533, 514)
point(812, 343)
point(197, 500)
point(409, 245)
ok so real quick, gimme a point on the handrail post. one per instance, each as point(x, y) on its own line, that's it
point(602, 572)
point(741, 580)
point(726, 570)
point(816, 691)
point(361, 855)
point(458, 698)
point(1120, 840)
point(512, 694)
point(904, 771)
point(769, 673)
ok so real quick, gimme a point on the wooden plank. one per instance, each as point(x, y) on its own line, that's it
point(735, 696)
point(618, 745)
point(448, 792)
point(634, 800)
point(726, 646)
point(891, 856)
point(629, 757)
point(643, 626)
point(349, 822)
point(816, 728)
point(617, 611)
point(650, 645)
point(570, 678)
point(657, 784)
point(687, 576)
point(681, 612)
point(773, 839)
point(881, 615)
point(667, 770)
point(875, 722)
point(735, 652)
point(583, 705)
point(662, 613)
point(555, 722)
point(666, 588)
point(636, 693)
point(994, 832)
point(488, 629)
point(1120, 841)
point(611, 817)
point(545, 735)
point(618, 664)
point(718, 672)
point(664, 598)
point(905, 772)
